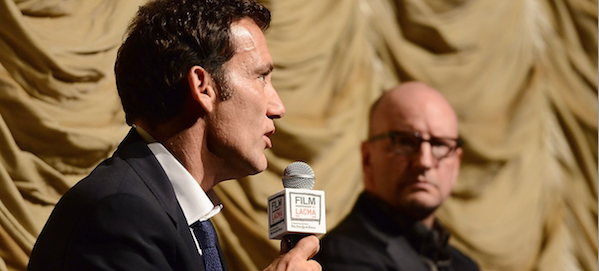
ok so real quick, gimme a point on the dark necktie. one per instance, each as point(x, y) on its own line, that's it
point(206, 236)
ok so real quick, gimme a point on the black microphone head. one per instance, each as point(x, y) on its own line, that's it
point(298, 175)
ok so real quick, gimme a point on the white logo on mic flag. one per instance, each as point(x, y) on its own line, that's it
point(305, 207)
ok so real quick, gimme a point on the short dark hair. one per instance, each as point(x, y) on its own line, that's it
point(166, 39)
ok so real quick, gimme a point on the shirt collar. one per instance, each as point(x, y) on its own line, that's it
point(195, 203)
point(144, 135)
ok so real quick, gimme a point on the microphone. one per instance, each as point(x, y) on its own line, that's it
point(297, 210)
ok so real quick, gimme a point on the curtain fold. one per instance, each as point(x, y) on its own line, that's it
point(60, 114)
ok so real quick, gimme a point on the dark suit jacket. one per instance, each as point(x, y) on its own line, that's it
point(372, 238)
point(123, 216)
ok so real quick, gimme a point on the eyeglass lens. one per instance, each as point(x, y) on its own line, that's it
point(409, 144)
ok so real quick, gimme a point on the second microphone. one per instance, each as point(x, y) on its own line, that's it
point(297, 210)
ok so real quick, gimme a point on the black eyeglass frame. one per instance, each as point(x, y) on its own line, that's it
point(392, 134)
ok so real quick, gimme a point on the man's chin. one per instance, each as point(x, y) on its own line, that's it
point(255, 172)
point(258, 167)
point(422, 203)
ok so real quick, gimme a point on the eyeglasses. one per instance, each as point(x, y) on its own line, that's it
point(408, 143)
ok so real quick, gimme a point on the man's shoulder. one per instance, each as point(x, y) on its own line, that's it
point(460, 261)
point(354, 245)
point(104, 178)
point(109, 176)
point(347, 228)
point(101, 192)
point(365, 223)
point(112, 176)
point(104, 181)
point(353, 239)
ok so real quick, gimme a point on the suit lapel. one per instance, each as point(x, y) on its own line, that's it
point(385, 229)
point(404, 256)
point(398, 249)
point(135, 151)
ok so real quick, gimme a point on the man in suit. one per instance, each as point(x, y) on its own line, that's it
point(194, 77)
point(410, 164)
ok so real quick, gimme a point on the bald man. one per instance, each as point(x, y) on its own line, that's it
point(410, 162)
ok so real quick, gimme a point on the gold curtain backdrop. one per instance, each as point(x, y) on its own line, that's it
point(521, 74)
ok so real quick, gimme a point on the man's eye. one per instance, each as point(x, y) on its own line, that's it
point(263, 77)
point(406, 141)
point(437, 143)
point(440, 143)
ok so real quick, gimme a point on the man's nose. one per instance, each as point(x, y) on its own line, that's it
point(275, 108)
point(424, 157)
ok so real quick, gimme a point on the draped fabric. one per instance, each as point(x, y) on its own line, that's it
point(60, 114)
point(521, 74)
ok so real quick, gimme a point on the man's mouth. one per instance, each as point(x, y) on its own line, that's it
point(268, 140)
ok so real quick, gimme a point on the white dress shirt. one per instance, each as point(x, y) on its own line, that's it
point(195, 203)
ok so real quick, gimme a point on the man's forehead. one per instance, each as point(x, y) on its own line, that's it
point(423, 111)
point(242, 36)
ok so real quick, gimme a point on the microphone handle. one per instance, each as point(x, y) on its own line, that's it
point(288, 241)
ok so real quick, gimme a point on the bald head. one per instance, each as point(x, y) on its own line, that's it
point(412, 100)
point(414, 179)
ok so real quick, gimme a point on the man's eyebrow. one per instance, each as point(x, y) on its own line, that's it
point(266, 69)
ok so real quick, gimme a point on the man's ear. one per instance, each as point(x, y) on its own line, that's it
point(456, 170)
point(202, 87)
point(459, 153)
point(366, 165)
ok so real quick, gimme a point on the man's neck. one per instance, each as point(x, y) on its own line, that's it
point(187, 145)
point(429, 221)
